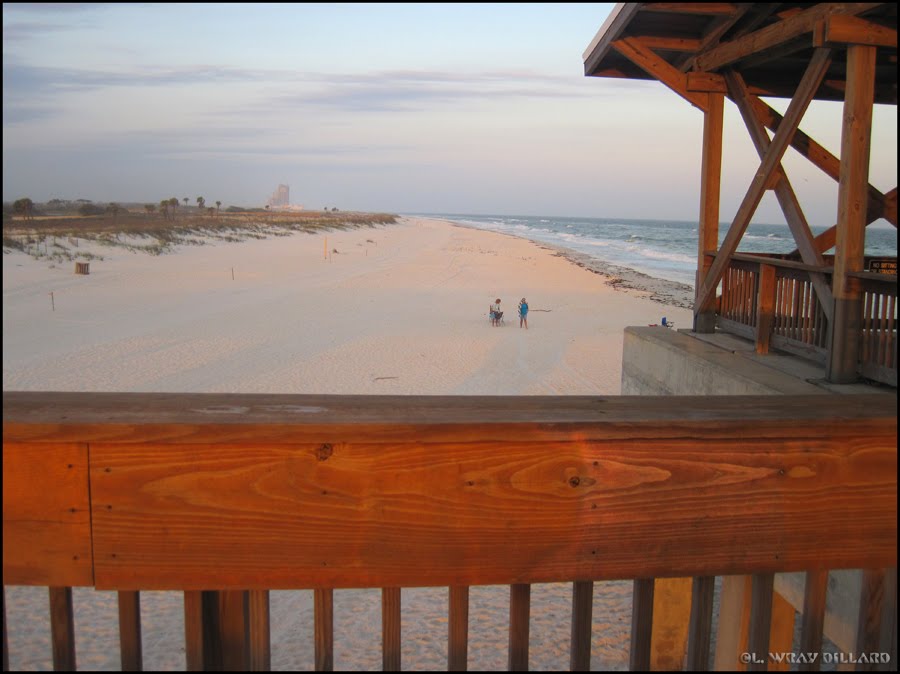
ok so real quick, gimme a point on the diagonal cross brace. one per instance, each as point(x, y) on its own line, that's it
point(803, 236)
point(812, 78)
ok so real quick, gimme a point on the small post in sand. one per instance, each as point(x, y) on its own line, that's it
point(52, 303)
point(232, 273)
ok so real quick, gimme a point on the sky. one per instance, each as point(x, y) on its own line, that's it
point(403, 108)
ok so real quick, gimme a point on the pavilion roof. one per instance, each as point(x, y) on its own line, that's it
point(770, 44)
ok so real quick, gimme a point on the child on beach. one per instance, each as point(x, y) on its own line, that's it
point(496, 314)
point(523, 313)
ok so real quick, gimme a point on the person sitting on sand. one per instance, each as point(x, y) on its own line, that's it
point(523, 313)
point(496, 314)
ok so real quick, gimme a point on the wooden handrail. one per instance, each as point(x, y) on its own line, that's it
point(785, 264)
point(241, 493)
point(192, 491)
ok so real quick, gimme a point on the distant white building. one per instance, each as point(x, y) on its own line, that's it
point(281, 197)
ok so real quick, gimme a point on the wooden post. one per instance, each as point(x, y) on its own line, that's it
point(856, 138)
point(710, 189)
point(765, 307)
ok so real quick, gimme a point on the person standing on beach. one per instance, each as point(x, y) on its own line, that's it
point(523, 313)
point(496, 314)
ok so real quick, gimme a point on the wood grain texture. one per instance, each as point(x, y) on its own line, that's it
point(427, 491)
point(46, 515)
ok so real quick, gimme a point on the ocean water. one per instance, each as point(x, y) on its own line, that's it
point(663, 249)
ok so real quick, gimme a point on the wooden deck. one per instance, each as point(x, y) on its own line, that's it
point(228, 496)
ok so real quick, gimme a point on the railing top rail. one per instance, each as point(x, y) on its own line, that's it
point(232, 417)
point(786, 264)
point(236, 491)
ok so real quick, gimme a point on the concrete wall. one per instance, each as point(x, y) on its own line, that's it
point(660, 361)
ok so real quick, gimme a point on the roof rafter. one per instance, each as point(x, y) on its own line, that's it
point(775, 35)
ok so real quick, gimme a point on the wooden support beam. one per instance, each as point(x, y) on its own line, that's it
point(713, 33)
point(710, 193)
point(770, 163)
point(656, 42)
point(856, 137)
point(843, 29)
point(704, 8)
point(828, 238)
point(790, 206)
point(880, 205)
point(647, 60)
point(776, 35)
point(765, 308)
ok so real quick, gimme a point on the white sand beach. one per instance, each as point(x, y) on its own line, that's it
point(399, 309)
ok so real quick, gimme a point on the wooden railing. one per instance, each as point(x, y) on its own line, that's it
point(224, 497)
point(772, 301)
point(878, 341)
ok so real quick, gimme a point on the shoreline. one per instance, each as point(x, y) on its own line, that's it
point(661, 291)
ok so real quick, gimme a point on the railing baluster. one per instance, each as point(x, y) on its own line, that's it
point(519, 616)
point(869, 635)
point(324, 629)
point(234, 634)
point(813, 617)
point(62, 627)
point(700, 629)
point(641, 624)
point(130, 631)
point(260, 633)
point(458, 645)
point(193, 630)
point(390, 629)
point(760, 620)
point(582, 608)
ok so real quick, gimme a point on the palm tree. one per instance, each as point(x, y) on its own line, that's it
point(200, 202)
point(218, 205)
point(185, 201)
point(25, 207)
point(173, 202)
point(164, 207)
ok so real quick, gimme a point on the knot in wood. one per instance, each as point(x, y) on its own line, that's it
point(574, 481)
point(324, 452)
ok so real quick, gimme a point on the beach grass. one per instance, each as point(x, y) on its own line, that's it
point(57, 237)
